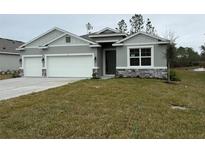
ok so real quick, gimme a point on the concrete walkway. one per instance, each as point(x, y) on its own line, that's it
point(11, 88)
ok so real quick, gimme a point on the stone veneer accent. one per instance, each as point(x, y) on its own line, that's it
point(142, 73)
point(97, 72)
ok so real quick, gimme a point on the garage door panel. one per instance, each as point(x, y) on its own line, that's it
point(32, 66)
point(69, 66)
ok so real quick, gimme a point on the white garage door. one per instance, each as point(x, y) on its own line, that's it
point(32, 66)
point(70, 66)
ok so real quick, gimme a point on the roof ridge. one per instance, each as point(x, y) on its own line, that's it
point(11, 39)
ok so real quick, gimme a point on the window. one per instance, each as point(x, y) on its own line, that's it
point(146, 57)
point(134, 57)
point(140, 56)
point(67, 39)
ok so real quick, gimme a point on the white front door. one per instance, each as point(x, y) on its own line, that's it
point(70, 66)
point(32, 66)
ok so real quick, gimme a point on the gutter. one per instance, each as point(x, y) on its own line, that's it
point(9, 53)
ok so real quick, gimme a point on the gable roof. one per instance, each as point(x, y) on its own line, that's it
point(55, 28)
point(64, 33)
point(107, 28)
point(87, 37)
point(138, 33)
point(70, 34)
point(112, 32)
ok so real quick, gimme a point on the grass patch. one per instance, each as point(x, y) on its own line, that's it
point(114, 108)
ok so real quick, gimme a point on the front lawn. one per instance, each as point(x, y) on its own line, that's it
point(114, 108)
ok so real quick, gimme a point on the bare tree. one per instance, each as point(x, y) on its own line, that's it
point(171, 51)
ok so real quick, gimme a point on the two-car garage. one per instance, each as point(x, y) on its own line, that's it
point(59, 65)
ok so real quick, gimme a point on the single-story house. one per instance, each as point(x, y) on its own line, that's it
point(9, 57)
point(59, 53)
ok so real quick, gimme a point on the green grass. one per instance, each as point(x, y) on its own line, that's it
point(114, 108)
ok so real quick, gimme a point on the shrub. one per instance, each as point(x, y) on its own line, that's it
point(15, 74)
point(173, 76)
point(202, 64)
point(95, 76)
point(8, 72)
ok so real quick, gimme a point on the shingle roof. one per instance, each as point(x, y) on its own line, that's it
point(9, 45)
point(87, 37)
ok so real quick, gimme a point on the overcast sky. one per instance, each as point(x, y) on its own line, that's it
point(190, 29)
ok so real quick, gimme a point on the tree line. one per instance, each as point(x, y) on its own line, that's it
point(137, 23)
point(186, 56)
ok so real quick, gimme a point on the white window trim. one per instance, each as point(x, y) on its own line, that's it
point(70, 54)
point(140, 47)
point(158, 67)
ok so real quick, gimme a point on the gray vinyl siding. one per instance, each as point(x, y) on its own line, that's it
point(46, 38)
point(121, 56)
point(9, 62)
point(100, 60)
point(73, 40)
point(61, 50)
point(141, 39)
point(159, 56)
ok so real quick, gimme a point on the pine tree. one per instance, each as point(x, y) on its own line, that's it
point(149, 28)
point(122, 26)
point(137, 23)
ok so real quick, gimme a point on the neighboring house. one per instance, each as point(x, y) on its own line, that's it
point(9, 57)
point(59, 53)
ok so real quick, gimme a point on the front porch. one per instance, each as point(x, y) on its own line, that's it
point(106, 61)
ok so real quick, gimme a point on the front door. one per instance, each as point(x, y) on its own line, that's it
point(110, 61)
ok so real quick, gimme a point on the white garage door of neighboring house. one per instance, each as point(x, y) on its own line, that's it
point(70, 66)
point(32, 66)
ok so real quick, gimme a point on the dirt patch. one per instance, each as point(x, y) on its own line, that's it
point(178, 107)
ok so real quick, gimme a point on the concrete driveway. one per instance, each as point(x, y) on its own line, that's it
point(21, 86)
